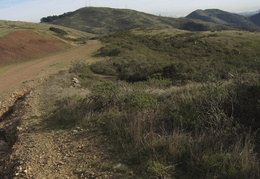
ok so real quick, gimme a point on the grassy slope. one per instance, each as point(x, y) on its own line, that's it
point(256, 19)
point(164, 122)
point(175, 112)
point(103, 20)
point(205, 55)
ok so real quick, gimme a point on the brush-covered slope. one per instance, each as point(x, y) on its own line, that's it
point(105, 20)
point(142, 54)
point(255, 19)
point(222, 17)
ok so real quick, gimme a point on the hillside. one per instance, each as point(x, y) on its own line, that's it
point(34, 40)
point(29, 44)
point(203, 55)
point(255, 19)
point(155, 104)
point(177, 101)
point(106, 20)
point(221, 17)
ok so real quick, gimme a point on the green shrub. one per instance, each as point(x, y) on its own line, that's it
point(58, 31)
point(158, 170)
point(177, 72)
point(104, 95)
point(80, 68)
point(110, 50)
point(83, 71)
point(105, 67)
point(142, 101)
point(247, 104)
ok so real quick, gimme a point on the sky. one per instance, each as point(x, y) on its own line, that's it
point(34, 10)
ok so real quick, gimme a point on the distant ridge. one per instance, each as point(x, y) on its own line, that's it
point(106, 20)
point(255, 19)
point(224, 18)
point(248, 14)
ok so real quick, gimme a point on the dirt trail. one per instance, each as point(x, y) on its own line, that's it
point(41, 68)
point(45, 149)
point(38, 147)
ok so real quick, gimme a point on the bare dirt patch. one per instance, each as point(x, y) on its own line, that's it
point(27, 44)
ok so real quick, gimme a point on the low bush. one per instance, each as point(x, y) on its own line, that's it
point(169, 133)
point(105, 95)
point(83, 72)
point(58, 31)
point(163, 124)
point(186, 131)
point(247, 104)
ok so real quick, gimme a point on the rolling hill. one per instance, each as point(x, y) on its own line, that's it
point(224, 18)
point(106, 20)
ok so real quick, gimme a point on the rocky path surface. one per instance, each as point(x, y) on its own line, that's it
point(31, 145)
point(42, 150)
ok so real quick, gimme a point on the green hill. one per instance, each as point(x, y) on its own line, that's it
point(105, 20)
point(224, 18)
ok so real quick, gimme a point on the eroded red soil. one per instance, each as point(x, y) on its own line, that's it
point(27, 44)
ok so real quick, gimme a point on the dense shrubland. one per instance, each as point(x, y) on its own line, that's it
point(176, 109)
point(193, 56)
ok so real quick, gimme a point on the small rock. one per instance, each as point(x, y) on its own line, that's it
point(118, 166)
point(19, 128)
point(75, 80)
point(75, 131)
point(78, 128)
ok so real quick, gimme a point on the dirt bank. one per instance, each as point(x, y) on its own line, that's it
point(27, 44)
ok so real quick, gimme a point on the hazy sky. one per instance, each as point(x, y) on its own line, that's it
point(34, 10)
